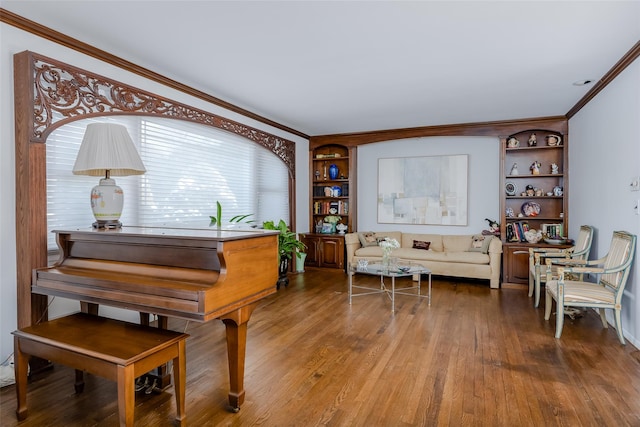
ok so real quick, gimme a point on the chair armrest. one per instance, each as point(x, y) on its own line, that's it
point(580, 270)
point(544, 250)
point(561, 254)
point(566, 261)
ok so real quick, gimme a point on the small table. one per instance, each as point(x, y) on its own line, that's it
point(377, 269)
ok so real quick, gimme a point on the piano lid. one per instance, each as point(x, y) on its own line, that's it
point(178, 232)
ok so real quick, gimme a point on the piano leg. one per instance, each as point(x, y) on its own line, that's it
point(236, 326)
point(160, 376)
point(90, 308)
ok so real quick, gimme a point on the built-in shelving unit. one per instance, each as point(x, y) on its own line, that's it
point(534, 183)
point(332, 169)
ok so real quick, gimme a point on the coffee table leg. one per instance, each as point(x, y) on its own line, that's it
point(429, 289)
point(350, 284)
point(393, 294)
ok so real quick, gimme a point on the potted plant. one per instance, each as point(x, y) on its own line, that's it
point(288, 244)
point(217, 220)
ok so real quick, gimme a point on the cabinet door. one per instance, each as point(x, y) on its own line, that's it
point(516, 264)
point(313, 258)
point(332, 253)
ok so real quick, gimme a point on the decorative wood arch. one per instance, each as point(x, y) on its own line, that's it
point(49, 94)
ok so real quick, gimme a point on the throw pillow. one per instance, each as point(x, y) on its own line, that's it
point(418, 244)
point(480, 243)
point(368, 238)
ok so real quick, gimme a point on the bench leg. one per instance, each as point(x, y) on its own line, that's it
point(126, 395)
point(21, 362)
point(179, 382)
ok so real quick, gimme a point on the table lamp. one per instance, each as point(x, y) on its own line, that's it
point(107, 150)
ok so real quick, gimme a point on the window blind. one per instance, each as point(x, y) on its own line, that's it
point(189, 167)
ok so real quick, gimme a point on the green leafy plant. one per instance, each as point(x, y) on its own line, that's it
point(217, 220)
point(288, 243)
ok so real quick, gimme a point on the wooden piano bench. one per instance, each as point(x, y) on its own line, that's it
point(116, 350)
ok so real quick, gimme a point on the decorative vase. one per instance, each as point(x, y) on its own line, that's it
point(300, 257)
point(333, 172)
point(386, 259)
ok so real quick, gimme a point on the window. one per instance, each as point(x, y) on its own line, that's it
point(189, 167)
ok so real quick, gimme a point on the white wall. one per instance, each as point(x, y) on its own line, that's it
point(13, 41)
point(604, 154)
point(484, 180)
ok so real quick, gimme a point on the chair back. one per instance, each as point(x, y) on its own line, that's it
point(583, 243)
point(618, 261)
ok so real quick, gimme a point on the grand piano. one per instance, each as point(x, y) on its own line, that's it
point(193, 274)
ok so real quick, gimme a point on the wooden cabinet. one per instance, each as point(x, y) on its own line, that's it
point(333, 197)
point(534, 183)
point(516, 263)
point(326, 251)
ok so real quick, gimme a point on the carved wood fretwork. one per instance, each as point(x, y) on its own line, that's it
point(49, 94)
point(63, 93)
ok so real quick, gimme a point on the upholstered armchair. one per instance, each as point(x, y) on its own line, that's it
point(537, 269)
point(611, 272)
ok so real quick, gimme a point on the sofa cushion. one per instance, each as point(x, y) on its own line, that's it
point(368, 238)
point(456, 243)
point(419, 244)
point(372, 251)
point(435, 239)
point(454, 257)
point(422, 255)
point(480, 243)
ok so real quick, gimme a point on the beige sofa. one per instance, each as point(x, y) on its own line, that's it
point(448, 255)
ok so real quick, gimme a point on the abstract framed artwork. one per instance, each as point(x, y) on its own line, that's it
point(423, 190)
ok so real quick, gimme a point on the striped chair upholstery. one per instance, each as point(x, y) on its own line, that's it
point(537, 270)
point(612, 272)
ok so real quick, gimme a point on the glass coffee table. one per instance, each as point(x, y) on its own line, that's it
point(399, 270)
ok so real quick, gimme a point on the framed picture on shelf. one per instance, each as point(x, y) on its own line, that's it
point(327, 228)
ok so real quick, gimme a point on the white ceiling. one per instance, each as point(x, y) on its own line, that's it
point(324, 67)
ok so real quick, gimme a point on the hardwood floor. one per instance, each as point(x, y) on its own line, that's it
point(476, 357)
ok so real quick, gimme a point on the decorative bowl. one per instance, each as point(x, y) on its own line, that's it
point(555, 241)
point(404, 268)
point(533, 236)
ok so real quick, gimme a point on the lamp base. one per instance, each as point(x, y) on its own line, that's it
point(106, 203)
point(109, 224)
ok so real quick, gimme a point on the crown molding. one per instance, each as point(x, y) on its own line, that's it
point(623, 63)
point(47, 33)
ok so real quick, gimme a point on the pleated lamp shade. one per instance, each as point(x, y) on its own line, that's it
point(107, 147)
point(106, 150)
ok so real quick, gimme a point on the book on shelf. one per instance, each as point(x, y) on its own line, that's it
point(511, 233)
point(324, 207)
point(523, 227)
point(552, 230)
